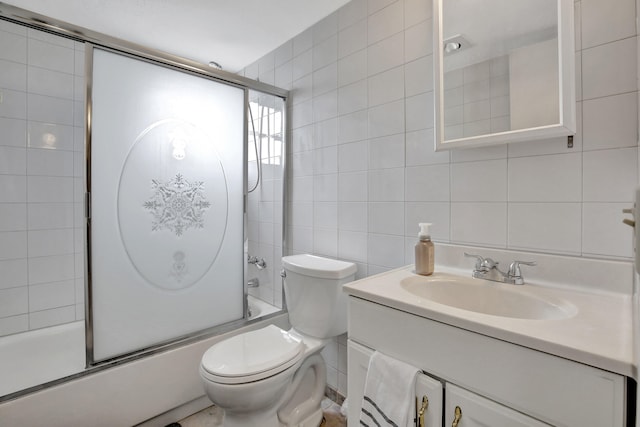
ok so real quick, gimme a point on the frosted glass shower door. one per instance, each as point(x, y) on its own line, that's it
point(167, 188)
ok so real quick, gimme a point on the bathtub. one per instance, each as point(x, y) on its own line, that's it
point(258, 308)
point(128, 393)
point(32, 358)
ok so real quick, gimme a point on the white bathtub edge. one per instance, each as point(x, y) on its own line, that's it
point(123, 395)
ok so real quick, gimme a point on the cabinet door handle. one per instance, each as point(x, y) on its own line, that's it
point(423, 409)
point(458, 415)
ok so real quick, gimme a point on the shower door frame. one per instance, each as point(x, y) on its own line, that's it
point(95, 39)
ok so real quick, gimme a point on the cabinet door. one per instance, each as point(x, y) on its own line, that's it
point(431, 390)
point(477, 411)
point(426, 387)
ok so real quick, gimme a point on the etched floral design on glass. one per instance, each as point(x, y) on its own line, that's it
point(177, 205)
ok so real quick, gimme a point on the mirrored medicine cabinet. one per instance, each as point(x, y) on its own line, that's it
point(503, 70)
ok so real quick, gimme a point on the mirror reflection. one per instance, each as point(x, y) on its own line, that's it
point(500, 66)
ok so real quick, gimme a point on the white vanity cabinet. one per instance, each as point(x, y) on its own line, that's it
point(459, 404)
point(494, 382)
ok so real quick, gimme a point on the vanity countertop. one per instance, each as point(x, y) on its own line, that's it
point(599, 332)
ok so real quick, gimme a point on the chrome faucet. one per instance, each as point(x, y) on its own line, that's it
point(258, 262)
point(487, 269)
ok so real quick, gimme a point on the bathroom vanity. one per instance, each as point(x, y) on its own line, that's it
point(496, 354)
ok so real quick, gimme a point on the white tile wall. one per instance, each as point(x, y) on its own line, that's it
point(386, 54)
point(610, 175)
point(610, 122)
point(537, 196)
point(353, 216)
point(352, 157)
point(325, 188)
point(41, 169)
point(547, 227)
point(418, 40)
point(479, 223)
point(386, 22)
point(609, 69)
point(13, 47)
point(482, 181)
point(429, 183)
point(13, 273)
point(597, 18)
point(352, 127)
point(386, 218)
point(324, 52)
point(13, 245)
point(352, 68)
point(352, 187)
point(325, 133)
point(386, 152)
point(560, 181)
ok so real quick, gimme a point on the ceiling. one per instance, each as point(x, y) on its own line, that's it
point(233, 33)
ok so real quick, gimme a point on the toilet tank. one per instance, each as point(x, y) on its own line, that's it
point(313, 289)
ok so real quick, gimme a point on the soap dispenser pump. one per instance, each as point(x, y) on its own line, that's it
point(424, 251)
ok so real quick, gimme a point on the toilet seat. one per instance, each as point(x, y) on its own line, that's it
point(252, 356)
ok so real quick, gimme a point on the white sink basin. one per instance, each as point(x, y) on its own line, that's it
point(486, 297)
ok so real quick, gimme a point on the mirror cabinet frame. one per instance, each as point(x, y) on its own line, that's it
point(567, 98)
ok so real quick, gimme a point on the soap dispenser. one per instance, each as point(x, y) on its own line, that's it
point(424, 251)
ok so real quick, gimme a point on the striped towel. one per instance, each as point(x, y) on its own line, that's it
point(389, 393)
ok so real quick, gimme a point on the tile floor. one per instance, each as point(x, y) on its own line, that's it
point(208, 417)
point(212, 417)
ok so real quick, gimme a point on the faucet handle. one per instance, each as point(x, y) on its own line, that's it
point(488, 263)
point(479, 260)
point(514, 268)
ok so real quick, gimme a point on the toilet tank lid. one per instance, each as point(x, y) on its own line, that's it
point(316, 266)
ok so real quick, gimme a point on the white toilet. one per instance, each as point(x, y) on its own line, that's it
point(270, 377)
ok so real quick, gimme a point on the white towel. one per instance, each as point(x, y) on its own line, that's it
point(389, 393)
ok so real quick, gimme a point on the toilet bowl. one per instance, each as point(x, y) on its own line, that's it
point(271, 377)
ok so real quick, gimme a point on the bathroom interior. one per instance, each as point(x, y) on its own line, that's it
point(335, 126)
